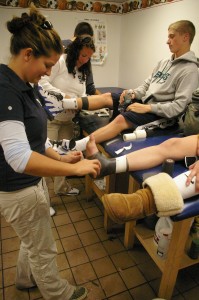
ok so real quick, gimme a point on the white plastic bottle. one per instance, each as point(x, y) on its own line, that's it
point(164, 241)
point(163, 223)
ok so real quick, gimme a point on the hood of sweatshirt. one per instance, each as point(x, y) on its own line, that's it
point(188, 56)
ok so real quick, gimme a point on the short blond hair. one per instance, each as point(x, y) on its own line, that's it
point(184, 26)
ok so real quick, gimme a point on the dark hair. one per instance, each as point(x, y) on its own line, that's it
point(34, 31)
point(73, 52)
point(83, 28)
point(184, 26)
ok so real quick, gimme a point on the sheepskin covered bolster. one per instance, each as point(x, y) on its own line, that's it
point(167, 197)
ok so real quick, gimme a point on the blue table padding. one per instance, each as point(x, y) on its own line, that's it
point(191, 209)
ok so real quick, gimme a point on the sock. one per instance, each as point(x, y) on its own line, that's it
point(186, 191)
point(70, 103)
point(81, 144)
point(121, 164)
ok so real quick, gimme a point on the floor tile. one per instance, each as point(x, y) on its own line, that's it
point(1, 280)
point(35, 294)
point(132, 277)
point(191, 294)
point(55, 233)
point(68, 275)
point(77, 257)
point(184, 276)
point(96, 251)
point(61, 219)
point(95, 291)
point(73, 206)
point(113, 246)
point(122, 296)
point(102, 234)
point(122, 260)
point(86, 204)
point(62, 261)
point(71, 243)
point(83, 226)
point(103, 266)
point(112, 284)
point(89, 238)
point(11, 293)
point(10, 245)
point(10, 259)
point(97, 222)
point(9, 276)
point(77, 216)
point(66, 230)
point(7, 232)
point(84, 273)
point(93, 212)
point(143, 292)
point(150, 270)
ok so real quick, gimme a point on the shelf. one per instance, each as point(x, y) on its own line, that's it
point(145, 236)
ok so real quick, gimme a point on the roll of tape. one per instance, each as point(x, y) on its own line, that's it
point(140, 134)
point(129, 137)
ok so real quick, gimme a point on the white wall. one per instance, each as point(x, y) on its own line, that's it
point(136, 41)
point(64, 22)
point(144, 37)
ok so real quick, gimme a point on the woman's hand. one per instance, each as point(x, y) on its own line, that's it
point(194, 173)
point(72, 157)
point(87, 166)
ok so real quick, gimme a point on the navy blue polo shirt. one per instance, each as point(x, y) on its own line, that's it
point(20, 102)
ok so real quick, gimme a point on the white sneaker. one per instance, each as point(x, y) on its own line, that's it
point(52, 211)
point(72, 192)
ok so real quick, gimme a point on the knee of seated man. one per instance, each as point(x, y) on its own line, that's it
point(120, 121)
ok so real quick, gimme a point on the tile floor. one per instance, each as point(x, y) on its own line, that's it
point(88, 256)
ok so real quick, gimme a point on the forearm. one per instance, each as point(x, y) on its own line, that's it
point(89, 103)
point(51, 153)
point(40, 165)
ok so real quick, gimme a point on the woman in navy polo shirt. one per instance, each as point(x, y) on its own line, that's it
point(25, 156)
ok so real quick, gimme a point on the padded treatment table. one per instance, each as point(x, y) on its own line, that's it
point(177, 257)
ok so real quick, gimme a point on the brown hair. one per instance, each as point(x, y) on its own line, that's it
point(73, 52)
point(184, 26)
point(33, 31)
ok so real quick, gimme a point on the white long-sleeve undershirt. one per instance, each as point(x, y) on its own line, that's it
point(15, 144)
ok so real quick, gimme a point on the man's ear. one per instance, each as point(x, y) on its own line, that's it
point(186, 37)
point(27, 54)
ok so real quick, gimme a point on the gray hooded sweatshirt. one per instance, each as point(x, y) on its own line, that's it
point(169, 88)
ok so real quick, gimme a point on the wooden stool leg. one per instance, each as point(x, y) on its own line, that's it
point(108, 223)
point(88, 187)
point(129, 236)
point(172, 264)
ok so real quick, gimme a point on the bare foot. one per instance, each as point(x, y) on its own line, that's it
point(91, 147)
